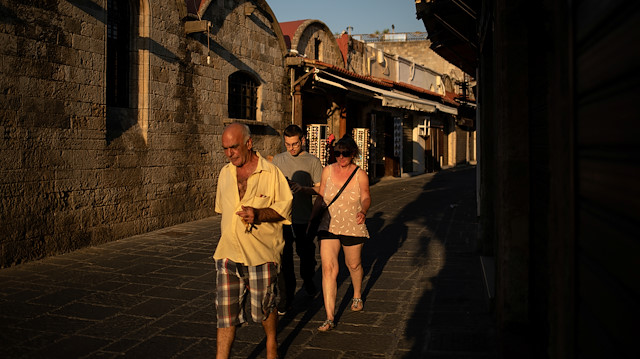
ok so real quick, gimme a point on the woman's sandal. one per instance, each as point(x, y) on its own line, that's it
point(357, 305)
point(327, 326)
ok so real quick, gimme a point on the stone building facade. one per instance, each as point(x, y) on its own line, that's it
point(459, 141)
point(388, 97)
point(419, 52)
point(91, 152)
point(432, 139)
point(310, 40)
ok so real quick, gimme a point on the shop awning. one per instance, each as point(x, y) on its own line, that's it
point(389, 98)
point(453, 28)
point(330, 83)
point(409, 104)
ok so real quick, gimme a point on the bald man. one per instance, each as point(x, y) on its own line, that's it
point(254, 199)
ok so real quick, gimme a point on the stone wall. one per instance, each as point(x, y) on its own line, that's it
point(355, 60)
point(67, 182)
point(420, 53)
point(329, 51)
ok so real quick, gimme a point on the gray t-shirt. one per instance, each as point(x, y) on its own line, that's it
point(306, 170)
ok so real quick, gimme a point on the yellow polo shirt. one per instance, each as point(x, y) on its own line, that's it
point(266, 188)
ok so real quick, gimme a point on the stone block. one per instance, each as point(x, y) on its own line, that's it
point(58, 166)
point(121, 177)
point(8, 44)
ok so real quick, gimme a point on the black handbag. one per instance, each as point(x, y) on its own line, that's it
point(320, 209)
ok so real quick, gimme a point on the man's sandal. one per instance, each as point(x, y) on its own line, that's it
point(357, 305)
point(327, 326)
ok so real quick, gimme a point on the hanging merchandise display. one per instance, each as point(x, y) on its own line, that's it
point(362, 138)
point(397, 137)
point(317, 136)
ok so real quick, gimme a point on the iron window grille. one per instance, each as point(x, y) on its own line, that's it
point(118, 28)
point(243, 96)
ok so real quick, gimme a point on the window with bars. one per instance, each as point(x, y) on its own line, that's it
point(118, 30)
point(243, 96)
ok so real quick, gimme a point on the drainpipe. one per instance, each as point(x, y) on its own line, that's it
point(370, 58)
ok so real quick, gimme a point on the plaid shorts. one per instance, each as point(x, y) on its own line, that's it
point(233, 281)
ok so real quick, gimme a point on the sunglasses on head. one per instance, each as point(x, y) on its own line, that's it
point(342, 153)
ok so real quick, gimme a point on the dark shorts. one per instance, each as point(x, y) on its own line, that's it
point(344, 240)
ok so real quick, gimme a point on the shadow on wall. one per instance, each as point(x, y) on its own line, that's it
point(217, 21)
point(91, 8)
point(261, 130)
point(261, 24)
point(119, 120)
point(8, 16)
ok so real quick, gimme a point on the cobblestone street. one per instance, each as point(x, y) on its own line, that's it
point(152, 295)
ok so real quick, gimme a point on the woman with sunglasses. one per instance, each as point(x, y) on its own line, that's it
point(344, 225)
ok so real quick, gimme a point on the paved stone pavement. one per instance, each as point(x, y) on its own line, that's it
point(152, 295)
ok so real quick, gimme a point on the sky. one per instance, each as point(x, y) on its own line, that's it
point(365, 16)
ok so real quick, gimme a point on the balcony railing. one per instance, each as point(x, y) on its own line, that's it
point(394, 37)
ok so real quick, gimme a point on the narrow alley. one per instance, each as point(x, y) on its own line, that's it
point(153, 295)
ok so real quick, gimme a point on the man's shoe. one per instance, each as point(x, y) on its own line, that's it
point(283, 308)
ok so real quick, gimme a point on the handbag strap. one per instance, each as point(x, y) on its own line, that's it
point(343, 186)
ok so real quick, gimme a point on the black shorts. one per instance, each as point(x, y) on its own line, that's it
point(344, 240)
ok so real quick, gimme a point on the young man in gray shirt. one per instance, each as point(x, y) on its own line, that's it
point(304, 172)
